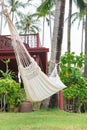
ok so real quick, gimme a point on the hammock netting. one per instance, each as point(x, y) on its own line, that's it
point(38, 86)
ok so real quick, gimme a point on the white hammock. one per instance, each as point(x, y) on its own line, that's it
point(37, 85)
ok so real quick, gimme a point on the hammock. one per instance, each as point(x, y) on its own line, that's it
point(38, 86)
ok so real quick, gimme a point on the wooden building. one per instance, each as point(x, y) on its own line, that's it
point(32, 43)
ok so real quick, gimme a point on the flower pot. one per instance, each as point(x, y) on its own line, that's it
point(25, 106)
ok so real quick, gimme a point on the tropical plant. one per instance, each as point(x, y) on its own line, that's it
point(8, 74)
point(10, 91)
point(73, 78)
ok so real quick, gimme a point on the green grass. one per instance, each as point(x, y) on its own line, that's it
point(51, 119)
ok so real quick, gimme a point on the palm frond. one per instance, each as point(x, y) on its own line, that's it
point(45, 7)
point(80, 4)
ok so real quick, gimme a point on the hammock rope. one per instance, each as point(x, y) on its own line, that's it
point(38, 86)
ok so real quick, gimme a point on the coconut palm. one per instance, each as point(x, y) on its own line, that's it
point(73, 17)
point(57, 33)
point(69, 27)
point(81, 16)
point(57, 38)
point(2, 5)
point(82, 4)
point(14, 6)
point(85, 69)
point(45, 11)
point(28, 24)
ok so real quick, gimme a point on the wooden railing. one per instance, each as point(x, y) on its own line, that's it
point(31, 40)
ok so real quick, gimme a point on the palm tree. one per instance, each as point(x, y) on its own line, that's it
point(57, 33)
point(81, 16)
point(28, 24)
point(2, 6)
point(45, 11)
point(57, 38)
point(14, 6)
point(69, 27)
point(82, 4)
point(85, 69)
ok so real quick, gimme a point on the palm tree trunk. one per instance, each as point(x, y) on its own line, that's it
point(57, 38)
point(57, 33)
point(85, 69)
point(12, 16)
point(82, 35)
point(69, 27)
point(1, 17)
point(43, 31)
point(50, 28)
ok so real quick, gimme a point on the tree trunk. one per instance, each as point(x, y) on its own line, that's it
point(43, 32)
point(85, 69)
point(56, 46)
point(1, 17)
point(69, 27)
point(50, 27)
point(57, 37)
point(82, 35)
point(57, 33)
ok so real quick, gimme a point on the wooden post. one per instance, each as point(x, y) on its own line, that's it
point(60, 100)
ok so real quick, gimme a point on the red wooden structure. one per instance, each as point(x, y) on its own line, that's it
point(32, 43)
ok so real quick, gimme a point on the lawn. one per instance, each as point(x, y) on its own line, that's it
point(50, 119)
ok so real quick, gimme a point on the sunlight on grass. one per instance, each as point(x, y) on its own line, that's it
point(50, 119)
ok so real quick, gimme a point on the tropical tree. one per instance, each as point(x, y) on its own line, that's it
point(80, 15)
point(11, 93)
point(2, 5)
point(57, 34)
point(28, 24)
point(57, 37)
point(72, 18)
point(85, 69)
point(14, 7)
point(56, 43)
point(45, 11)
point(69, 27)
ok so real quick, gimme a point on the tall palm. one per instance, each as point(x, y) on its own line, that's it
point(81, 15)
point(77, 15)
point(57, 39)
point(83, 6)
point(85, 69)
point(43, 11)
point(28, 24)
point(2, 5)
point(57, 33)
point(69, 27)
point(14, 7)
